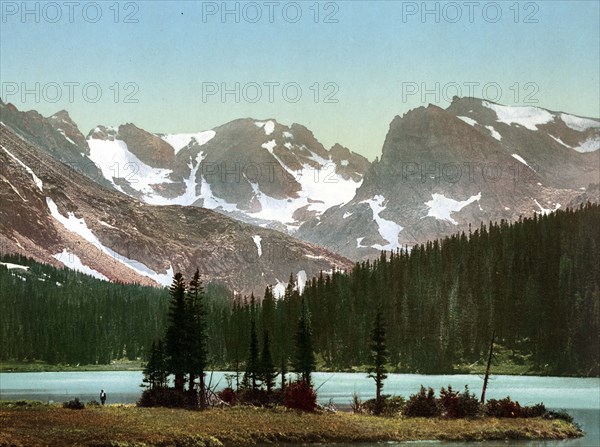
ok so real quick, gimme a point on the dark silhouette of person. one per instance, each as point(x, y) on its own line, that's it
point(102, 397)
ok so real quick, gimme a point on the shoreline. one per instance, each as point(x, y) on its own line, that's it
point(135, 367)
point(37, 424)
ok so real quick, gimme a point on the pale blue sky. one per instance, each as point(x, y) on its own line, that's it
point(368, 54)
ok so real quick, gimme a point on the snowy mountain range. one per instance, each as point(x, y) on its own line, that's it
point(440, 171)
point(259, 172)
point(53, 213)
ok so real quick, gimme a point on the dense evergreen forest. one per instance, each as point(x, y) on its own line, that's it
point(63, 316)
point(535, 282)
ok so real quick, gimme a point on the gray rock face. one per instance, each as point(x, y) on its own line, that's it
point(58, 135)
point(443, 170)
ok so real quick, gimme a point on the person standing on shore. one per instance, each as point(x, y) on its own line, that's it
point(102, 397)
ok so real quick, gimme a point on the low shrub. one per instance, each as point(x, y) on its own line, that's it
point(459, 405)
point(536, 411)
point(386, 406)
point(93, 403)
point(357, 404)
point(301, 396)
point(257, 397)
point(168, 397)
point(422, 404)
point(506, 408)
point(503, 408)
point(560, 414)
point(228, 395)
point(21, 404)
point(74, 404)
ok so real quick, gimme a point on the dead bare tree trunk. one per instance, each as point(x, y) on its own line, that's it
point(487, 369)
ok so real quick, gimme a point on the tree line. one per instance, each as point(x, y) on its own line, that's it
point(535, 282)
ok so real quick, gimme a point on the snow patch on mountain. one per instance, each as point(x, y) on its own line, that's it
point(388, 229)
point(104, 224)
point(79, 227)
point(180, 140)
point(347, 215)
point(441, 207)
point(11, 266)
point(115, 160)
point(4, 179)
point(62, 132)
point(288, 135)
point(257, 239)
point(73, 262)
point(301, 279)
point(469, 121)
point(269, 145)
point(36, 179)
point(545, 210)
point(72, 223)
point(522, 160)
point(211, 201)
point(494, 133)
point(558, 140)
point(526, 116)
point(578, 123)
point(268, 126)
point(321, 189)
point(590, 145)
point(279, 289)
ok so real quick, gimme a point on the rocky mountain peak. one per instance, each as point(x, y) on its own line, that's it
point(148, 147)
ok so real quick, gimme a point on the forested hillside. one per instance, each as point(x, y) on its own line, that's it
point(63, 316)
point(534, 282)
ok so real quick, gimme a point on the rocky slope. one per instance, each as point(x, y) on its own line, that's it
point(443, 170)
point(56, 215)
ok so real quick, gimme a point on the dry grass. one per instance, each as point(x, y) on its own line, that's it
point(120, 425)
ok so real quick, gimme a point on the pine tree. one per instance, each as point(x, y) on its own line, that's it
point(196, 317)
point(379, 355)
point(253, 363)
point(267, 368)
point(155, 372)
point(304, 361)
point(176, 337)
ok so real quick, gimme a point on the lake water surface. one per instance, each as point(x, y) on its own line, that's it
point(579, 396)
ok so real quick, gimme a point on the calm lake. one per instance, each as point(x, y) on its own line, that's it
point(579, 396)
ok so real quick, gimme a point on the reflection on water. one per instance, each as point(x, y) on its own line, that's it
point(579, 396)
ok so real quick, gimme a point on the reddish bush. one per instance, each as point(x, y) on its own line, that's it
point(228, 395)
point(459, 405)
point(423, 404)
point(301, 396)
point(503, 408)
point(506, 408)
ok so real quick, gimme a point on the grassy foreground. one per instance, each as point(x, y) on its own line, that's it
point(130, 426)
